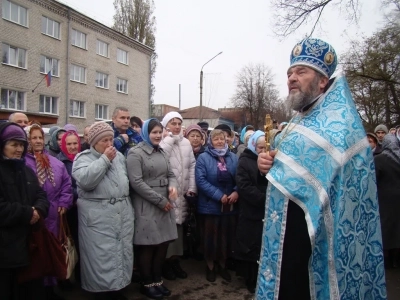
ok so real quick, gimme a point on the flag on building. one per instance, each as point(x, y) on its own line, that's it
point(48, 78)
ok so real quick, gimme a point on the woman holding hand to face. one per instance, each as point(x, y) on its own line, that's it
point(154, 192)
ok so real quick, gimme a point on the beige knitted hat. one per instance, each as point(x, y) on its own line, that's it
point(98, 131)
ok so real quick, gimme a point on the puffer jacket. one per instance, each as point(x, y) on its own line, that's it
point(180, 154)
point(210, 188)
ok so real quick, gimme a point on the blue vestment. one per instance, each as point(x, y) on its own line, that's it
point(325, 165)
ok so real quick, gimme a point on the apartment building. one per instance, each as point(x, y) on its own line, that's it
point(93, 68)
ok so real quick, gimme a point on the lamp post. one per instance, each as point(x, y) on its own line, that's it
point(201, 87)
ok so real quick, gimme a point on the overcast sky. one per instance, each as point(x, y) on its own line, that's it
point(190, 32)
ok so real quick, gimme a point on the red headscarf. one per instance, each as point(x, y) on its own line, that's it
point(64, 144)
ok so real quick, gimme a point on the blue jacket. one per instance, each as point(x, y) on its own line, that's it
point(210, 190)
point(121, 145)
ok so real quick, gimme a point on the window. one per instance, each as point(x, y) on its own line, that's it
point(15, 13)
point(102, 48)
point(50, 27)
point(78, 73)
point(77, 108)
point(47, 64)
point(48, 105)
point(101, 80)
point(14, 56)
point(78, 39)
point(122, 56)
point(101, 112)
point(12, 99)
point(122, 85)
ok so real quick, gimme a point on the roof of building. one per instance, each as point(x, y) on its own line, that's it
point(238, 115)
point(194, 113)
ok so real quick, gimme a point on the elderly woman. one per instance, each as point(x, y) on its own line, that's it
point(252, 187)
point(55, 181)
point(387, 168)
point(180, 155)
point(70, 147)
point(53, 147)
point(22, 203)
point(245, 134)
point(215, 178)
point(154, 190)
point(105, 215)
point(196, 138)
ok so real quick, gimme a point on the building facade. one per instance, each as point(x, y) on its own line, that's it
point(92, 68)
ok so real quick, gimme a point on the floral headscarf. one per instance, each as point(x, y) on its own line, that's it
point(43, 166)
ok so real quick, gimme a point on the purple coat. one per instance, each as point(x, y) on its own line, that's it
point(59, 195)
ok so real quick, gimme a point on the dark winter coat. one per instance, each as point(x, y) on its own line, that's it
point(210, 190)
point(197, 154)
point(388, 181)
point(252, 189)
point(68, 165)
point(19, 192)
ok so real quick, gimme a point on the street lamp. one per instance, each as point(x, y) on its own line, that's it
point(201, 86)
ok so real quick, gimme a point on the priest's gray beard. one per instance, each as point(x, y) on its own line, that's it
point(302, 98)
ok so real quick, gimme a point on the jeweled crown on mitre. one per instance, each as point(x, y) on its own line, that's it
point(316, 54)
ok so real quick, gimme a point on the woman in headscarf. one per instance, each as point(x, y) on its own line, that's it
point(252, 187)
point(53, 147)
point(387, 168)
point(245, 134)
point(154, 192)
point(70, 147)
point(215, 179)
point(180, 155)
point(55, 181)
point(22, 203)
point(105, 215)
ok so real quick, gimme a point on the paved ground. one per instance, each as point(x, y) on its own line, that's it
point(196, 287)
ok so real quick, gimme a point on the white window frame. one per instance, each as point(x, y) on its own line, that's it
point(7, 104)
point(119, 84)
point(77, 77)
point(104, 112)
point(50, 62)
point(8, 15)
point(53, 101)
point(102, 80)
point(122, 54)
point(81, 107)
point(77, 35)
point(18, 51)
point(47, 32)
point(100, 48)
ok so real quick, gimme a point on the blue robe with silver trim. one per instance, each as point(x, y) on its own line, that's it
point(325, 165)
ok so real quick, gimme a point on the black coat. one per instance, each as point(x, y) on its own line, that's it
point(19, 192)
point(388, 181)
point(252, 188)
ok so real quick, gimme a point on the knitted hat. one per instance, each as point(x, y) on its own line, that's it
point(13, 132)
point(169, 116)
point(316, 54)
point(381, 127)
point(192, 127)
point(98, 131)
point(70, 127)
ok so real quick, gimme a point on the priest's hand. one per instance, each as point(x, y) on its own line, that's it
point(265, 161)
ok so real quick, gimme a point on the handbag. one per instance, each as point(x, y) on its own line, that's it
point(68, 245)
point(47, 257)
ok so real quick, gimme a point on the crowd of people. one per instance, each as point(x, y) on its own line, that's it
point(296, 216)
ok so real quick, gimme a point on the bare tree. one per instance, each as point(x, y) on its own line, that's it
point(291, 14)
point(135, 19)
point(256, 93)
point(373, 70)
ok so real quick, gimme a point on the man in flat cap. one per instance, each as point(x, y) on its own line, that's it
point(322, 236)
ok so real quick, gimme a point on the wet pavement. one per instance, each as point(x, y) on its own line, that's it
point(196, 287)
